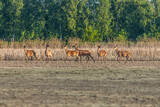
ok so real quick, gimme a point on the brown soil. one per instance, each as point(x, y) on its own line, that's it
point(75, 84)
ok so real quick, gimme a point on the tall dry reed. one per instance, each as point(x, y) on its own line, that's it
point(140, 50)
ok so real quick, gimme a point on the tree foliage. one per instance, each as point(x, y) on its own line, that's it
point(89, 20)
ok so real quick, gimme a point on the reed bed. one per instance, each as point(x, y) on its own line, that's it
point(140, 51)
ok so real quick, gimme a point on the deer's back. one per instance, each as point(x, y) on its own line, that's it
point(102, 53)
point(30, 53)
point(84, 52)
point(48, 52)
point(123, 53)
point(72, 53)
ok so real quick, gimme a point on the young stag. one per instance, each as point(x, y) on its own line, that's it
point(48, 53)
point(101, 53)
point(83, 53)
point(29, 53)
point(122, 54)
point(73, 53)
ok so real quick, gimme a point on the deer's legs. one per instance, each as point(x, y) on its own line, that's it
point(26, 58)
point(104, 58)
point(132, 59)
point(31, 57)
point(47, 58)
point(92, 57)
point(51, 57)
point(87, 57)
point(76, 58)
point(35, 56)
point(118, 58)
point(126, 59)
point(81, 59)
point(66, 58)
point(98, 57)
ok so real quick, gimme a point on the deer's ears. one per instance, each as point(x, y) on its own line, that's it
point(115, 47)
point(74, 45)
point(99, 46)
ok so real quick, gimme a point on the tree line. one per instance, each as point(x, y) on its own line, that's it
point(89, 20)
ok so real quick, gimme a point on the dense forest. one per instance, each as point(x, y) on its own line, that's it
point(89, 20)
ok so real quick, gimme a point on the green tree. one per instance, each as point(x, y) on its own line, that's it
point(33, 20)
point(83, 14)
point(156, 25)
point(10, 18)
point(115, 12)
point(103, 20)
point(53, 18)
point(69, 8)
point(1, 17)
point(136, 17)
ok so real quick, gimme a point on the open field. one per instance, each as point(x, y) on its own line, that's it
point(59, 54)
point(75, 84)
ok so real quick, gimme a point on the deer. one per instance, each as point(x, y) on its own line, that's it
point(122, 54)
point(29, 53)
point(73, 53)
point(83, 53)
point(48, 53)
point(101, 53)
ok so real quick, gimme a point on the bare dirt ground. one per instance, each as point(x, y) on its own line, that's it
point(75, 84)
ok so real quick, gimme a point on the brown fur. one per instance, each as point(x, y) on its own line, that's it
point(29, 53)
point(71, 53)
point(101, 53)
point(122, 54)
point(48, 53)
point(83, 53)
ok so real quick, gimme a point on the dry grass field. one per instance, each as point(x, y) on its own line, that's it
point(138, 53)
point(148, 50)
point(75, 84)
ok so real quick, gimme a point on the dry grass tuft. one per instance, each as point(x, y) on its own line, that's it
point(142, 50)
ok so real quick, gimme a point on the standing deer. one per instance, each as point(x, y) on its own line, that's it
point(48, 53)
point(122, 54)
point(73, 53)
point(29, 53)
point(83, 53)
point(101, 53)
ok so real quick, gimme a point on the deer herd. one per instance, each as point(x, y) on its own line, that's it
point(79, 53)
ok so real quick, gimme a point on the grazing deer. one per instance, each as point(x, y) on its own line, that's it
point(101, 53)
point(122, 54)
point(48, 53)
point(83, 53)
point(73, 53)
point(29, 53)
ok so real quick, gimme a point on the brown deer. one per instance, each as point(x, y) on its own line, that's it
point(83, 53)
point(101, 53)
point(73, 53)
point(122, 54)
point(48, 53)
point(29, 53)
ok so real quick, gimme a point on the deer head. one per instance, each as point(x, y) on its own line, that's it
point(99, 46)
point(115, 47)
point(74, 45)
point(47, 45)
